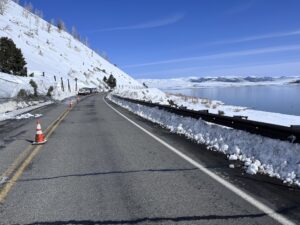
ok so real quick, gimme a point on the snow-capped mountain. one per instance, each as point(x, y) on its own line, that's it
point(54, 53)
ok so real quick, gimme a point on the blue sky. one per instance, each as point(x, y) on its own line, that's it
point(178, 38)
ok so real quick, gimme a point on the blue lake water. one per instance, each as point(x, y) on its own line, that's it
point(282, 99)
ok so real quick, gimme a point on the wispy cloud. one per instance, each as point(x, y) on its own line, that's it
point(289, 68)
point(220, 55)
point(259, 37)
point(146, 25)
point(274, 69)
point(240, 8)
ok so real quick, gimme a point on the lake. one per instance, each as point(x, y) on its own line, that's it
point(281, 99)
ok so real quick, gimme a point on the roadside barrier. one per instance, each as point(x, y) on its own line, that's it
point(39, 137)
point(291, 134)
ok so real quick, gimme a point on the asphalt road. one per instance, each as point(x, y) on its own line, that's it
point(97, 168)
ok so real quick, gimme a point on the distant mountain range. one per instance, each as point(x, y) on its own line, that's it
point(234, 79)
point(202, 82)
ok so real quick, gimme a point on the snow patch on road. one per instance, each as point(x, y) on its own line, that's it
point(276, 158)
point(28, 115)
point(3, 180)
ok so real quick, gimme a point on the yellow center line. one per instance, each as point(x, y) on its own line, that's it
point(24, 153)
point(25, 158)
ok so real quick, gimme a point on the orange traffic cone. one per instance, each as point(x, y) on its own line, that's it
point(71, 104)
point(39, 137)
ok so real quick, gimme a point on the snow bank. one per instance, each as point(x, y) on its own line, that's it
point(10, 85)
point(213, 106)
point(216, 107)
point(260, 154)
point(16, 110)
point(146, 94)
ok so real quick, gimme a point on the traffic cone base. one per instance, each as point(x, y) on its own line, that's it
point(39, 143)
point(71, 104)
point(39, 137)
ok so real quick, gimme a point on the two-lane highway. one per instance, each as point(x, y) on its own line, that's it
point(98, 168)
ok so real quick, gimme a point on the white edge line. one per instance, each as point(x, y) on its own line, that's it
point(267, 210)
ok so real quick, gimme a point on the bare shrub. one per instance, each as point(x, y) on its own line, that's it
point(75, 33)
point(49, 27)
point(60, 25)
point(39, 13)
point(6, 28)
point(28, 8)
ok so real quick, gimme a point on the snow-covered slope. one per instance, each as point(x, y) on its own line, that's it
point(54, 53)
point(202, 82)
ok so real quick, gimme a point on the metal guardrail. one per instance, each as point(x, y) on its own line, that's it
point(291, 134)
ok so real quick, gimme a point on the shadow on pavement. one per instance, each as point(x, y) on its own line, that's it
point(151, 220)
point(109, 173)
point(262, 179)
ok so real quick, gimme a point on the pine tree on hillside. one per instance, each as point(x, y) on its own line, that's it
point(111, 81)
point(11, 58)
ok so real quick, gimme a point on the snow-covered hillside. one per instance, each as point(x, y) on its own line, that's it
point(203, 82)
point(55, 54)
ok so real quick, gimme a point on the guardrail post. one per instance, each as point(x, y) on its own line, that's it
point(69, 88)
point(76, 84)
point(62, 84)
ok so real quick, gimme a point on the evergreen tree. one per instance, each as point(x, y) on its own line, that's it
point(11, 58)
point(111, 81)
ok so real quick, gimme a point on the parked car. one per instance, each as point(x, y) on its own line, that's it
point(95, 90)
point(84, 91)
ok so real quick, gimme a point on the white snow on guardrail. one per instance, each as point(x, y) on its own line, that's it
point(273, 157)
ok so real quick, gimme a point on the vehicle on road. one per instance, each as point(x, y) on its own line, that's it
point(95, 90)
point(88, 91)
point(84, 91)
